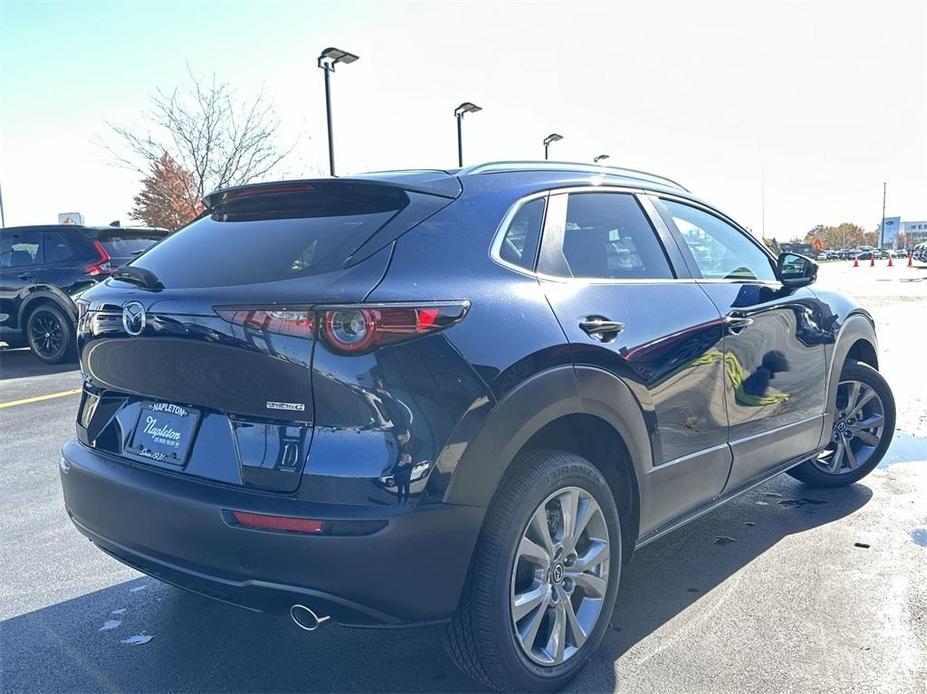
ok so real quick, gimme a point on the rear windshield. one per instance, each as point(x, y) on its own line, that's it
point(269, 237)
point(125, 246)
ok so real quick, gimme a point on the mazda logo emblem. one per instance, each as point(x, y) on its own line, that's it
point(133, 318)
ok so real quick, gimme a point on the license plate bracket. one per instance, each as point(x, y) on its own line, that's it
point(164, 433)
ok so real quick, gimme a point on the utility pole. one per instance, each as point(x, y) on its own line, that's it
point(763, 203)
point(882, 225)
point(2, 218)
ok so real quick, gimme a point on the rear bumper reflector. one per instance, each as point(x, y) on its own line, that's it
point(279, 523)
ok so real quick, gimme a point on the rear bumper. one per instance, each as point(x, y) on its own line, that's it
point(411, 570)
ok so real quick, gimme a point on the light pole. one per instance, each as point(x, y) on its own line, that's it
point(553, 137)
point(882, 225)
point(465, 107)
point(327, 61)
point(601, 157)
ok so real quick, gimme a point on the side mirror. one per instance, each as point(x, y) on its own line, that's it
point(796, 270)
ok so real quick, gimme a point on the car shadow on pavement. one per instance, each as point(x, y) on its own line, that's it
point(100, 641)
point(668, 576)
point(21, 363)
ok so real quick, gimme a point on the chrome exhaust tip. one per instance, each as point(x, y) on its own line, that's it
point(306, 619)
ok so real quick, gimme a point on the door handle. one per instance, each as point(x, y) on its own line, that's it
point(737, 324)
point(26, 276)
point(600, 328)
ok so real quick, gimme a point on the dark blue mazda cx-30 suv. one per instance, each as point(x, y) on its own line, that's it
point(456, 396)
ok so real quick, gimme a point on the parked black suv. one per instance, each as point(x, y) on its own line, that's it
point(42, 269)
point(455, 396)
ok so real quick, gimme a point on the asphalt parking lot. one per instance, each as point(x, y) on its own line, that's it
point(784, 589)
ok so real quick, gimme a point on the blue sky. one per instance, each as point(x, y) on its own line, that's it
point(819, 101)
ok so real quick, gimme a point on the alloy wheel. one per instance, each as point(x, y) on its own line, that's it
point(560, 576)
point(858, 427)
point(46, 334)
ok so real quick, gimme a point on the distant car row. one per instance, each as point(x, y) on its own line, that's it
point(862, 253)
point(42, 269)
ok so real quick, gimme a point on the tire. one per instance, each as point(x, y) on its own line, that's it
point(814, 472)
point(50, 334)
point(481, 637)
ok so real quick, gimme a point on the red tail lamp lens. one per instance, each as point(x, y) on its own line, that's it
point(300, 323)
point(283, 523)
point(353, 329)
point(425, 318)
point(350, 329)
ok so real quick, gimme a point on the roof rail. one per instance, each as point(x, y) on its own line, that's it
point(534, 165)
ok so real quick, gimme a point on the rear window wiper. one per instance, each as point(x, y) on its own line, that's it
point(137, 275)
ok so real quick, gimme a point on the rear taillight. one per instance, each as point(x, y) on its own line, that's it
point(300, 323)
point(101, 265)
point(354, 328)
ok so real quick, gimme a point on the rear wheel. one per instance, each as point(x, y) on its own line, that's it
point(544, 577)
point(50, 334)
point(864, 422)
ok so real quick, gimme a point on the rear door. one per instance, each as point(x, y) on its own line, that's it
point(774, 349)
point(20, 261)
point(66, 255)
point(622, 295)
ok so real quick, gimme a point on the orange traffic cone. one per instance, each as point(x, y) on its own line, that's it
point(855, 262)
point(871, 261)
point(910, 257)
point(890, 262)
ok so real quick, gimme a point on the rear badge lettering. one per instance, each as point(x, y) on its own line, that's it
point(292, 406)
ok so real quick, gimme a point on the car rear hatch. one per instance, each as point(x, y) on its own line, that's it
point(197, 356)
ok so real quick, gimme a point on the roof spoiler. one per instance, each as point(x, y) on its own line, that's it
point(429, 183)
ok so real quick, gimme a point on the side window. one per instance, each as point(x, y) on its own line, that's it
point(520, 241)
point(607, 236)
point(20, 249)
point(61, 246)
point(721, 251)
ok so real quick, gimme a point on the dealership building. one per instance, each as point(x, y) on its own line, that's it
point(914, 232)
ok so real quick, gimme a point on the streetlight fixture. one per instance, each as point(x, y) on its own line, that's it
point(465, 107)
point(328, 59)
point(601, 157)
point(553, 137)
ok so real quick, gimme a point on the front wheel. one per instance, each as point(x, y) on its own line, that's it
point(864, 423)
point(544, 577)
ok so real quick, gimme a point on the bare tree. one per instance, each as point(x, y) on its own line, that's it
point(203, 127)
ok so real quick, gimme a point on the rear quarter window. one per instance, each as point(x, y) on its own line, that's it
point(519, 242)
